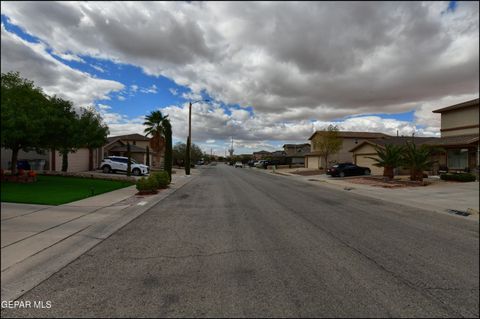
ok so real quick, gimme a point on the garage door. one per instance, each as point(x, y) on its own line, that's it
point(312, 162)
point(363, 160)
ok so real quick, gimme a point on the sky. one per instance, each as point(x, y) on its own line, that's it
point(272, 72)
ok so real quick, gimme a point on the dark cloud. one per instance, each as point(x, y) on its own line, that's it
point(290, 61)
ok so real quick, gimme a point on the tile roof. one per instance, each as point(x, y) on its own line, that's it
point(433, 141)
point(457, 106)
point(133, 149)
point(354, 134)
point(129, 137)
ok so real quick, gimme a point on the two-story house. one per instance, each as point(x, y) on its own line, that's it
point(460, 136)
point(296, 152)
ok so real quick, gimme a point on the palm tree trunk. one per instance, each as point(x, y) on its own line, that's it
point(388, 172)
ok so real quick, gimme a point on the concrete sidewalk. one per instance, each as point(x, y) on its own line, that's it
point(39, 240)
point(439, 197)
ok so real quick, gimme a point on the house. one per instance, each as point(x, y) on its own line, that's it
point(460, 136)
point(363, 153)
point(349, 140)
point(117, 146)
point(261, 155)
point(459, 141)
point(296, 152)
point(84, 159)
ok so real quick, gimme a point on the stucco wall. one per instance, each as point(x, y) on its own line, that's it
point(459, 118)
point(77, 162)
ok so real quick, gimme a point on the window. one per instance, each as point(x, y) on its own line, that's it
point(457, 158)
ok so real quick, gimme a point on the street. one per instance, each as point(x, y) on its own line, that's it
point(236, 242)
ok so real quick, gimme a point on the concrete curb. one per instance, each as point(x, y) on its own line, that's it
point(32, 271)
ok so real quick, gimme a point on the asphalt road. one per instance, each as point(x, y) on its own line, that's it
point(241, 243)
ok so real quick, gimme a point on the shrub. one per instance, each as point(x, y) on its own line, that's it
point(162, 179)
point(146, 184)
point(32, 173)
point(459, 177)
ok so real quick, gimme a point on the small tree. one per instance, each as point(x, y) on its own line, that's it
point(417, 160)
point(328, 142)
point(93, 131)
point(389, 157)
point(129, 160)
point(167, 130)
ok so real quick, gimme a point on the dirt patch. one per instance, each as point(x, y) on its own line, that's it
point(380, 182)
point(308, 173)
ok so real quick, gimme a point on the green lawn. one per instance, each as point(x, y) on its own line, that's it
point(57, 190)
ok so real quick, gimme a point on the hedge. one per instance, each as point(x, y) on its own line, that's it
point(459, 177)
point(162, 179)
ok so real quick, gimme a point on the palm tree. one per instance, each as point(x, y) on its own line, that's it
point(389, 157)
point(417, 160)
point(159, 127)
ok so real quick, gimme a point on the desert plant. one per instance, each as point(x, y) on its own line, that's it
point(162, 179)
point(417, 160)
point(389, 157)
point(146, 184)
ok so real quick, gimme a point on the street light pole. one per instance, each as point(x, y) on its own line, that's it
point(189, 139)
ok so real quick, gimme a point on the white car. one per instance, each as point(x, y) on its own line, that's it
point(119, 164)
point(238, 164)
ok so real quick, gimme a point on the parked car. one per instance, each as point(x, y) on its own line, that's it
point(200, 162)
point(267, 163)
point(347, 169)
point(259, 164)
point(119, 164)
point(251, 163)
point(238, 164)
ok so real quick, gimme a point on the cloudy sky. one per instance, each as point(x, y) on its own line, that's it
point(273, 71)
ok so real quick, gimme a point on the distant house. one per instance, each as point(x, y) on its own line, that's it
point(296, 152)
point(349, 139)
point(261, 155)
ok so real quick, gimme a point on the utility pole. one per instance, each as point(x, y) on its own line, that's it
point(231, 150)
point(187, 160)
point(189, 139)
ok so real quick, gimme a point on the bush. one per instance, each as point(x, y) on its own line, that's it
point(146, 184)
point(161, 178)
point(459, 177)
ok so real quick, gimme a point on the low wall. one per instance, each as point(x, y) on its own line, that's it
point(90, 175)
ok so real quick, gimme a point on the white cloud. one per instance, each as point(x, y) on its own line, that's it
point(33, 62)
point(104, 107)
point(96, 67)
point(173, 91)
point(152, 89)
